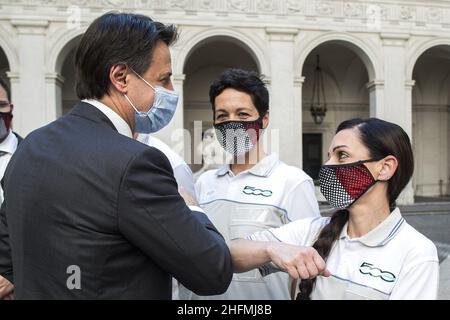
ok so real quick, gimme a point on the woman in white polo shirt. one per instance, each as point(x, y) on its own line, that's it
point(370, 251)
point(256, 191)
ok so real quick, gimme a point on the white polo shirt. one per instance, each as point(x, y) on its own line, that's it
point(392, 261)
point(268, 195)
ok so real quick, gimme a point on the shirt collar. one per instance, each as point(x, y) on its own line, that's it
point(10, 143)
point(120, 124)
point(382, 234)
point(262, 169)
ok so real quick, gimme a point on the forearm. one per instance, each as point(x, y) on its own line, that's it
point(247, 254)
point(299, 262)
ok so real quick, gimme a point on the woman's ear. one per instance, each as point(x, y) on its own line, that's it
point(118, 75)
point(388, 167)
point(265, 120)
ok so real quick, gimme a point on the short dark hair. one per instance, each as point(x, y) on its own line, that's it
point(5, 85)
point(245, 81)
point(115, 38)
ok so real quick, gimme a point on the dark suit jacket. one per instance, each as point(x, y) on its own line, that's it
point(19, 138)
point(78, 193)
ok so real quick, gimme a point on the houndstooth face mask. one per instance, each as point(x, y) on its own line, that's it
point(343, 184)
point(238, 137)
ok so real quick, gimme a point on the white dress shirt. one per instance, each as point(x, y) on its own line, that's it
point(120, 124)
point(9, 145)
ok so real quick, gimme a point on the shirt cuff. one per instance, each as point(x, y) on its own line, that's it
point(196, 208)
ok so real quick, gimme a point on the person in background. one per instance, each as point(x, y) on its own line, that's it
point(371, 252)
point(9, 142)
point(256, 191)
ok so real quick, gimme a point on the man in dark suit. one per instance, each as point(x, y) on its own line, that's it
point(89, 212)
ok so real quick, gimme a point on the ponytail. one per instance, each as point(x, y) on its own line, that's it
point(323, 245)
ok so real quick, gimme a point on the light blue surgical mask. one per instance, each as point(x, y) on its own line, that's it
point(160, 113)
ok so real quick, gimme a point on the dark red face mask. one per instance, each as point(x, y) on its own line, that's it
point(7, 118)
point(343, 184)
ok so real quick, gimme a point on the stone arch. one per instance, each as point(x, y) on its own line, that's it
point(248, 42)
point(9, 50)
point(58, 52)
point(361, 48)
point(421, 49)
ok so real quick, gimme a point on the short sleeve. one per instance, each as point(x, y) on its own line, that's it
point(419, 278)
point(301, 201)
point(302, 232)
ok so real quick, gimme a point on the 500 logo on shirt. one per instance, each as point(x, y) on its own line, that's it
point(368, 268)
point(256, 192)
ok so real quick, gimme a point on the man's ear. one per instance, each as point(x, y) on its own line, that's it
point(265, 120)
point(388, 168)
point(118, 76)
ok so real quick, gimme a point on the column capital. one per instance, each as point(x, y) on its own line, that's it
point(282, 34)
point(298, 81)
point(267, 80)
point(13, 76)
point(394, 39)
point(179, 77)
point(409, 84)
point(30, 26)
point(55, 78)
point(375, 84)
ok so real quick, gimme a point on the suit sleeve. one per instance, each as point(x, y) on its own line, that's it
point(153, 216)
point(6, 269)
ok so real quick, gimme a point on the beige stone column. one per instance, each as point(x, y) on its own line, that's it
point(397, 92)
point(29, 88)
point(376, 98)
point(285, 114)
point(54, 85)
point(298, 117)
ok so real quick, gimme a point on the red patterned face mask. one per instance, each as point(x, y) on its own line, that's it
point(343, 184)
point(238, 137)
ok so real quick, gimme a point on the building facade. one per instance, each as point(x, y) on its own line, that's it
point(387, 59)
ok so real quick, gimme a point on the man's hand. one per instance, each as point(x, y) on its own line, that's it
point(6, 289)
point(188, 198)
point(299, 262)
